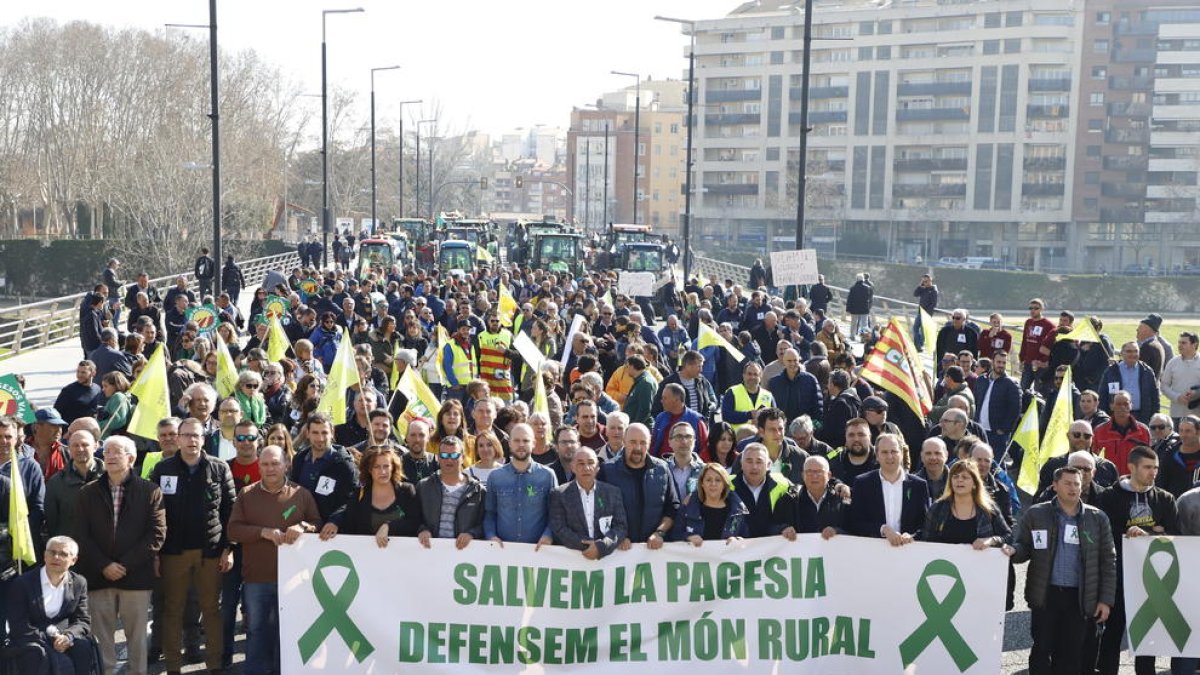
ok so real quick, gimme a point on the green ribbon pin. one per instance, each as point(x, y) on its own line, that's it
point(333, 610)
point(939, 616)
point(1160, 602)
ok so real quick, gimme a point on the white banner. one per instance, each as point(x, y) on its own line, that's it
point(1162, 610)
point(789, 268)
point(528, 351)
point(576, 326)
point(636, 284)
point(847, 605)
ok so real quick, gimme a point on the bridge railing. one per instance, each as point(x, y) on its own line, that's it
point(38, 324)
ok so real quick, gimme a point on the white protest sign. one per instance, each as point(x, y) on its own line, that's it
point(528, 351)
point(789, 268)
point(847, 605)
point(576, 326)
point(636, 284)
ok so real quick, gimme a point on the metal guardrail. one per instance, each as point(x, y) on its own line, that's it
point(38, 324)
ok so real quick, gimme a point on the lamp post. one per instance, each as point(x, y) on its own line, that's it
point(374, 183)
point(802, 176)
point(637, 137)
point(325, 134)
point(417, 194)
point(687, 171)
point(402, 104)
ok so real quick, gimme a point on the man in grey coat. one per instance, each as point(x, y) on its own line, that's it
point(587, 515)
point(1071, 583)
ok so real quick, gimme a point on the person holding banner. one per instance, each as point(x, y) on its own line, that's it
point(452, 501)
point(965, 512)
point(1071, 583)
point(889, 502)
point(518, 495)
point(587, 515)
point(647, 489)
point(323, 468)
point(385, 506)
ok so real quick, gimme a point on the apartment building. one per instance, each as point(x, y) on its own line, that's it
point(1051, 134)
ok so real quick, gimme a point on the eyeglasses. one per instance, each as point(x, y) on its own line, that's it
point(183, 435)
point(58, 553)
point(250, 385)
point(1079, 434)
point(245, 438)
point(682, 436)
point(449, 455)
point(231, 410)
point(1158, 427)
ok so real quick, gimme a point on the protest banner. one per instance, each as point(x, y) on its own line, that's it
point(1161, 612)
point(789, 268)
point(846, 605)
point(636, 284)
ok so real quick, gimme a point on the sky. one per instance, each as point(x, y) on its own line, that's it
point(492, 65)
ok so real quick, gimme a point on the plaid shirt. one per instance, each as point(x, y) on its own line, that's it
point(118, 495)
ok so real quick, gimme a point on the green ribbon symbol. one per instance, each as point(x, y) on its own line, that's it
point(939, 617)
point(334, 606)
point(1160, 602)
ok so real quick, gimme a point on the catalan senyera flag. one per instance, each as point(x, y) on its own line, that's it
point(342, 375)
point(18, 516)
point(508, 306)
point(1054, 441)
point(1084, 331)
point(540, 402)
point(890, 365)
point(711, 338)
point(227, 375)
point(421, 401)
point(1026, 434)
point(277, 340)
point(151, 390)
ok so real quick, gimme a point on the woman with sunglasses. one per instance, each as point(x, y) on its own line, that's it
point(249, 396)
point(385, 506)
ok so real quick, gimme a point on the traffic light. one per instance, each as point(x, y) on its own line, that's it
point(483, 183)
point(520, 182)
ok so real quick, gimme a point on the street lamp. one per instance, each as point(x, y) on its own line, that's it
point(325, 134)
point(417, 191)
point(802, 176)
point(402, 104)
point(637, 138)
point(215, 116)
point(687, 171)
point(374, 186)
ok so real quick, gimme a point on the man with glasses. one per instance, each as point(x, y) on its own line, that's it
point(958, 335)
point(198, 497)
point(1163, 438)
point(1080, 437)
point(1181, 378)
point(51, 596)
point(1037, 337)
point(1136, 379)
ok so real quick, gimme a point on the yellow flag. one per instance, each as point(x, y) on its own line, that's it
point(1054, 441)
point(342, 375)
point(508, 306)
point(711, 338)
point(1026, 435)
point(928, 331)
point(1083, 332)
point(540, 402)
point(421, 401)
point(394, 376)
point(151, 389)
point(227, 375)
point(608, 298)
point(18, 515)
point(277, 340)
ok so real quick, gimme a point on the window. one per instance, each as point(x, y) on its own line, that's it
point(864, 53)
point(1091, 177)
point(778, 32)
point(866, 28)
point(1099, 46)
point(883, 53)
point(1012, 46)
point(991, 20)
point(772, 154)
point(1099, 72)
point(658, 127)
point(1093, 151)
point(1096, 99)
point(1095, 125)
point(776, 58)
point(991, 46)
point(1103, 18)
point(1090, 203)
point(675, 128)
point(885, 28)
point(1012, 19)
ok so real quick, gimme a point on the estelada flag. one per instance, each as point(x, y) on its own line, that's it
point(890, 366)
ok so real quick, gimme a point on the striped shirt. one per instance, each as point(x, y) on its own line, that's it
point(451, 496)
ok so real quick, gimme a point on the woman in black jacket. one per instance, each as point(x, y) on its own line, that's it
point(386, 506)
point(965, 513)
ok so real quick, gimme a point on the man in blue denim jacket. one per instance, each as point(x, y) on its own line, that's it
point(517, 501)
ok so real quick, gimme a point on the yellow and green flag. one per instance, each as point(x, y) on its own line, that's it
point(18, 516)
point(508, 306)
point(151, 391)
point(421, 401)
point(277, 340)
point(227, 375)
point(1026, 436)
point(711, 338)
point(443, 339)
point(343, 374)
point(1084, 331)
point(540, 402)
point(1054, 441)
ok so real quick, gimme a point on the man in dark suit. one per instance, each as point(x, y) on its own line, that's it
point(586, 515)
point(48, 615)
point(889, 502)
point(998, 403)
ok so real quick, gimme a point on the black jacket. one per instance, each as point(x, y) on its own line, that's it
point(468, 518)
point(208, 494)
point(1173, 473)
point(796, 509)
point(1118, 503)
point(1004, 406)
point(858, 300)
point(355, 516)
point(709, 401)
point(205, 268)
point(867, 511)
point(332, 479)
point(819, 296)
point(987, 524)
point(841, 409)
point(231, 277)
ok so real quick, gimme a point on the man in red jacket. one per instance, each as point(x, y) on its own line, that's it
point(1116, 437)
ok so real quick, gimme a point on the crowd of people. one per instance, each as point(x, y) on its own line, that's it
point(646, 435)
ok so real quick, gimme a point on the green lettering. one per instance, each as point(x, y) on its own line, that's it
point(587, 589)
point(536, 581)
point(465, 593)
point(674, 641)
point(643, 584)
point(753, 575)
point(412, 642)
point(458, 633)
point(864, 640)
point(769, 648)
point(552, 645)
point(491, 589)
point(733, 639)
point(619, 595)
point(677, 577)
point(814, 581)
point(558, 589)
point(527, 642)
point(702, 583)
point(500, 646)
point(477, 644)
point(635, 643)
point(617, 642)
point(707, 642)
point(582, 645)
point(820, 636)
point(843, 636)
point(776, 588)
point(729, 581)
point(797, 639)
point(437, 641)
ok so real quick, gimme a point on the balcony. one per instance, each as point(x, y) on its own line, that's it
point(1123, 215)
point(931, 164)
point(1142, 29)
point(1123, 190)
point(1134, 136)
point(1047, 111)
point(934, 88)
point(815, 93)
point(1043, 189)
point(733, 118)
point(1126, 163)
point(1126, 109)
point(1045, 163)
point(932, 114)
point(731, 188)
point(1130, 83)
point(929, 190)
point(1134, 56)
point(1050, 84)
point(819, 117)
point(732, 95)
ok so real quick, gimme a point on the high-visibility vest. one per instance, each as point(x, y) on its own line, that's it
point(495, 367)
point(464, 363)
point(742, 403)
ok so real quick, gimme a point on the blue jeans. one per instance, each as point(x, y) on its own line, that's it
point(231, 594)
point(1184, 665)
point(261, 605)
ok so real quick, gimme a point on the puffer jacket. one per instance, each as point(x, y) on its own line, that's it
point(212, 483)
point(468, 519)
point(1097, 553)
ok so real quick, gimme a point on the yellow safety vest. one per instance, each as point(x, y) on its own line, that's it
point(741, 402)
point(464, 364)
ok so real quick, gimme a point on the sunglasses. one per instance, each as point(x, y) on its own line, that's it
point(449, 455)
point(1078, 434)
point(250, 385)
point(1158, 427)
point(245, 438)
